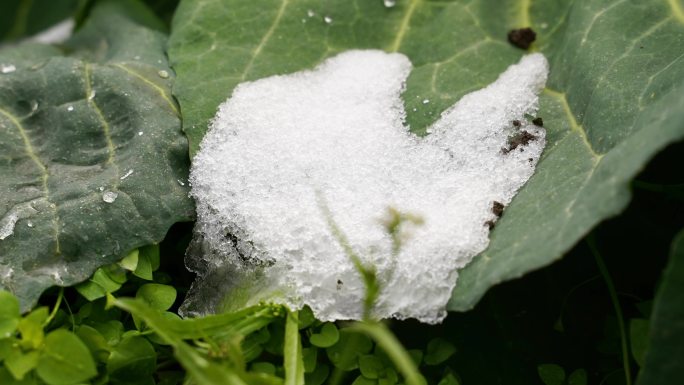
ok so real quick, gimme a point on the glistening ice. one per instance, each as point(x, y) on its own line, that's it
point(284, 149)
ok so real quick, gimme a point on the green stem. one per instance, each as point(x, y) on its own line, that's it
point(616, 306)
point(293, 361)
point(395, 351)
point(58, 303)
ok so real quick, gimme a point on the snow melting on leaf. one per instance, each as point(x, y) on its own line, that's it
point(283, 146)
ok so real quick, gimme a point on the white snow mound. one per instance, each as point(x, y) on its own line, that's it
point(282, 145)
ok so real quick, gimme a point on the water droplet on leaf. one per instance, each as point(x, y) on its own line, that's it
point(426, 101)
point(310, 13)
point(389, 3)
point(70, 108)
point(163, 74)
point(7, 68)
point(109, 196)
point(127, 174)
point(327, 19)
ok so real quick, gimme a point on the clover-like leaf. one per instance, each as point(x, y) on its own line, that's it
point(92, 160)
point(65, 360)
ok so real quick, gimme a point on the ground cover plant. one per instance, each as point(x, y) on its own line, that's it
point(97, 134)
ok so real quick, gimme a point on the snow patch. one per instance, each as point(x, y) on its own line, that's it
point(283, 146)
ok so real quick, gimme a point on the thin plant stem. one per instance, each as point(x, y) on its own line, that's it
point(616, 306)
point(395, 351)
point(58, 303)
point(367, 272)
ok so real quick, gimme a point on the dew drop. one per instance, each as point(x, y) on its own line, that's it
point(327, 19)
point(70, 108)
point(109, 196)
point(163, 74)
point(180, 182)
point(426, 101)
point(127, 174)
point(389, 3)
point(310, 13)
point(7, 68)
point(140, 133)
point(29, 224)
point(101, 188)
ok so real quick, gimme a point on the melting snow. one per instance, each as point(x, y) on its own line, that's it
point(281, 145)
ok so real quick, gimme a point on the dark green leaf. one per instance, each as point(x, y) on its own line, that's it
point(346, 352)
point(438, 350)
point(76, 129)
point(310, 358)
point(96, 342)
point(390, 377)
point(65, 360)
point(20, 18)
point(578, 377)
point(613, 97)
point(264, 367)
point(306, 317)
point(148, 261)
point(638, 338)
point(371, 366)
point(663, 362)
point(112, 331)
point(416, 356)
point(9, 314)
point(158, 297)
point(449, 379)
point(132, 358)
point(551, 374)
point(318, 376)
point(326, 337)
point(361, 380)
point(106, 279)
point(6, 378)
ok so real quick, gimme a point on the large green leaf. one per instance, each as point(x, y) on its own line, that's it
point(615, 94)
point(663, 361)
point(78, 126)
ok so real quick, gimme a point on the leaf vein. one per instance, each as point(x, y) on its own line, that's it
point(264, 39)
point(574, 126)
point(43, 170)
point(160, 90)
point(404, 26)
